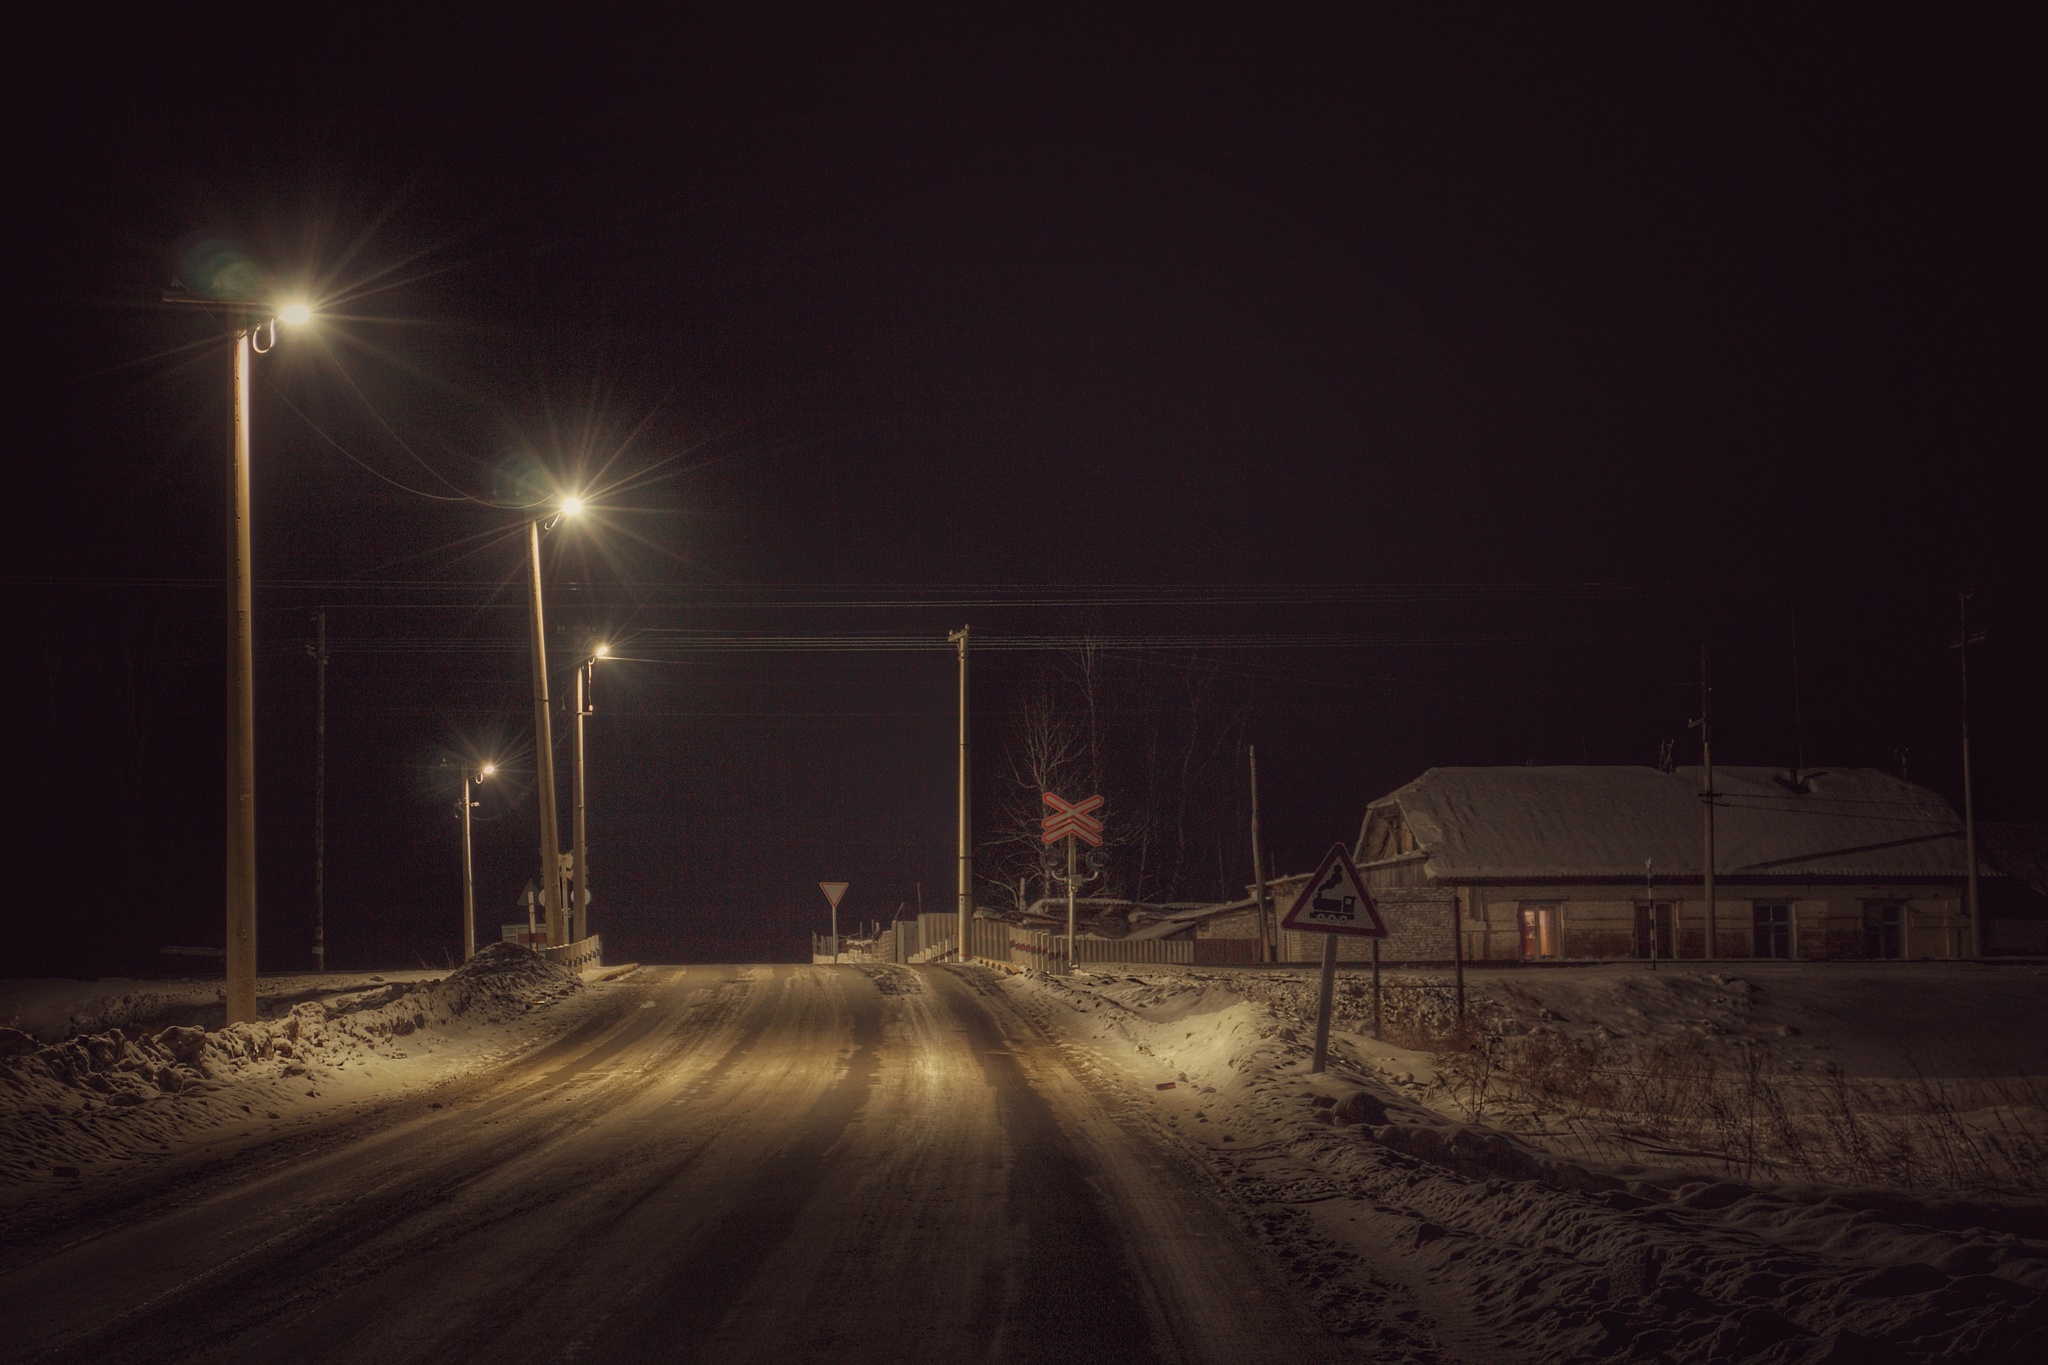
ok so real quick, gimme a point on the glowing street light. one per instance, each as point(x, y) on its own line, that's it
point(572, 506)
point(295, 314)
point(470, 777)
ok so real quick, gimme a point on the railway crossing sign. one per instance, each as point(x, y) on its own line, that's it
point(1071, 818)
point(1335, 901)
point(833, 891)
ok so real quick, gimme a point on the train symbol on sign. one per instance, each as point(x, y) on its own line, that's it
point(1334, 899)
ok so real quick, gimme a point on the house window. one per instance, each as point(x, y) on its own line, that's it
point(1771, 927)
point(1881, 924)
point(1542, 930)
point(1657, 913)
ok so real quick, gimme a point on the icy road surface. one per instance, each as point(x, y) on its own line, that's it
point(717, 1163)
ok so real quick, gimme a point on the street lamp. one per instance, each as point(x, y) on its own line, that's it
point(250, 319)
point(586, 705)
point(470, 776)
point(544, 739)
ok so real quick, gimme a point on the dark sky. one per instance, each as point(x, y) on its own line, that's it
point(1546, 354)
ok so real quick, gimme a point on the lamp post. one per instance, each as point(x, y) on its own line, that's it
point(470, 776)
point(586, 705)
point(251, 319)
point(544, 742)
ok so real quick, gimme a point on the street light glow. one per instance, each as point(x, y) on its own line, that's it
point(602, 651)
point(294, 314)
point(572, 505)
point(487, 770)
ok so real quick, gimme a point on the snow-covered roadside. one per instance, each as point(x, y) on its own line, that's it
point(126, 1094)
point(51, 1010)
point(1420, 1232)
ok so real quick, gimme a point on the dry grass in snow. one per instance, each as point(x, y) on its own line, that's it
point(1431, 1221)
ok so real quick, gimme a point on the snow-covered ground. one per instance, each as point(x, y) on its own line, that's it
point(51, 1010)
point(1525, 1222)
point(98, 1073)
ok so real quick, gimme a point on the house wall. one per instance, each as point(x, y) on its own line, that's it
point(1418, 921)
point(1599, 921)
point(1234, 924)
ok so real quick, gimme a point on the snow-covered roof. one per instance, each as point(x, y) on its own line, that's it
point(1570, 822)
point(2017, 851)
point(1187, 916)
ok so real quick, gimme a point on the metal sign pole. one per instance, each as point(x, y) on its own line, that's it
point(1324, 995)
point(1070, 904)
point(1332, 902)
point(1376, 1015)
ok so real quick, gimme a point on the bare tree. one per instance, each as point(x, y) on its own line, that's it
point(1157, 738)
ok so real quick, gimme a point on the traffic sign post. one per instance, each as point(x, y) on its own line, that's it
point(1071, 820)
point(833, 891)
point(1334, 901)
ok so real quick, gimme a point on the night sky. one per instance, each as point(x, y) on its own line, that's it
point(1383, 394)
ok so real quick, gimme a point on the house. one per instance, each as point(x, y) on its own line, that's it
point(1606, 862)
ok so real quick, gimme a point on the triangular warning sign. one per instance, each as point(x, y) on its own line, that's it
point(833, 891)
point(1335, 901)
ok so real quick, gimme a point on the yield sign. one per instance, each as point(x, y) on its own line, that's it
point(1335, 901)
point(1071, 818)
point(833, 891)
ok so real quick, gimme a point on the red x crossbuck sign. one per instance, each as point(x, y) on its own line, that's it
point(1071, 818)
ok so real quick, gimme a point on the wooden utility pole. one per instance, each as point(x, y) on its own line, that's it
point(1706, 724)
point(959, 637)
point(1259, 888)
point(1964, 640)
point(320, 790)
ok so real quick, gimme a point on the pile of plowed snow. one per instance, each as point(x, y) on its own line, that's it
point(115, 1095)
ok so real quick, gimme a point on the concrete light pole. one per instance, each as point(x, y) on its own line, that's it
point(544, 744)
point(252, 319)
point(470, 776)
point(586, 705)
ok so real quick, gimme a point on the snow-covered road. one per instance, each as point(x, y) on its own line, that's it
point(719, 1163)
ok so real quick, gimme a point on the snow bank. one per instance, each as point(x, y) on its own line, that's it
point(125, 1092)
point(52, 1010)
point(1421, 1232)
